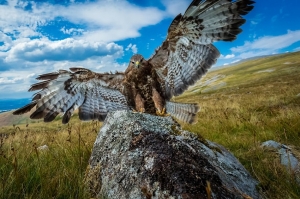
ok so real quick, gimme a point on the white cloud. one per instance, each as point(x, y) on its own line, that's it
point(12, 77)
point(128, 47)
point(111, 20)
point(270, 42)
point(67, 49)
point(175, 7)
point(227, 56)
point(10, 81)
point(99, 64)
point(266, 45)
point(104, 21)
point(18, 22)
point(15, 81)
point(72, 31)
point(30, 75)
point(7, 42)
point(132, 47)
point(110, 34)
point(107, 20)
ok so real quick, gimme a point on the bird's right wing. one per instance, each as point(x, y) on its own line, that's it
point(95, 94)
point(187, 53)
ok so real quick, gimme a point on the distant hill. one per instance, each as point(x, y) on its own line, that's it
point(8, 119)
point(254, 58)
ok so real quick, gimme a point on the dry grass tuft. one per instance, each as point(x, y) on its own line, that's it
point(57, 172)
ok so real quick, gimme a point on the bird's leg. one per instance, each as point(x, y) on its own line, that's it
point(159, 103)
point(162, 112)
point(139, 103)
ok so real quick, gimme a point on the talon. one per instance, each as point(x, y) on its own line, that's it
point(162, 112)
point(141, 110)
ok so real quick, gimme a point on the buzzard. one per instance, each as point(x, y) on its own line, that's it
point(146, 85)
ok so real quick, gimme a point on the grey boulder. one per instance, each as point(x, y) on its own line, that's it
point(144, 156)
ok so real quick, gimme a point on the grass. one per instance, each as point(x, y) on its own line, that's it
point(247, 104)
point(28, 172)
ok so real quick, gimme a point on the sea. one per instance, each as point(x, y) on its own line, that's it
point(12, 104)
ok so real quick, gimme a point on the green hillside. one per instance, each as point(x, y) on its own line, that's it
point(241, 106)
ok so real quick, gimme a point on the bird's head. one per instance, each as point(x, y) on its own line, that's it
point(136, 60)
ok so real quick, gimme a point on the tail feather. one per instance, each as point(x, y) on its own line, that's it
point(184, 112)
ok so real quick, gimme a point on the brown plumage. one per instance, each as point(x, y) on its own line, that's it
point(146, 85)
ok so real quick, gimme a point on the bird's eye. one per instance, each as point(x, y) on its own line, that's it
point(132, 62)
point(142, 59)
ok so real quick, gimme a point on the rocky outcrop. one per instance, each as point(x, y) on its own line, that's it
point(289, 156)
point(143, 156)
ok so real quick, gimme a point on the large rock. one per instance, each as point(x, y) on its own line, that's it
point(289, 156)
point(143, 156)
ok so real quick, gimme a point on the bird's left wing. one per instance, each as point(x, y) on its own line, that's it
point(95, 94)
point(188, 53)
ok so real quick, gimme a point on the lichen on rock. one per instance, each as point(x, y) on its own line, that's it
point(145, 156)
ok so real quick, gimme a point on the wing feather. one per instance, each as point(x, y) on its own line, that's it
point(95, 94)
point(187, 53)
point(25, 108)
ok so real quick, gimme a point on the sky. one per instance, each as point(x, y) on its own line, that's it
point(42, 36)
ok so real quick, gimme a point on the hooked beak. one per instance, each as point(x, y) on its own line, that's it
point(137, 63)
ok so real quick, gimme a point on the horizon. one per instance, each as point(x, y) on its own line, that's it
point(212, 69)
point(44, 36)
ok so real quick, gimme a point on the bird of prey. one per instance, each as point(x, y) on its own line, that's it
point(146, 85)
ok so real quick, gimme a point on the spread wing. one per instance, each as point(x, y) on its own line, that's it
point(187, 53)
point(95, 94)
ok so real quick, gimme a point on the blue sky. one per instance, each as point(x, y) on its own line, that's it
point(43, 36)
